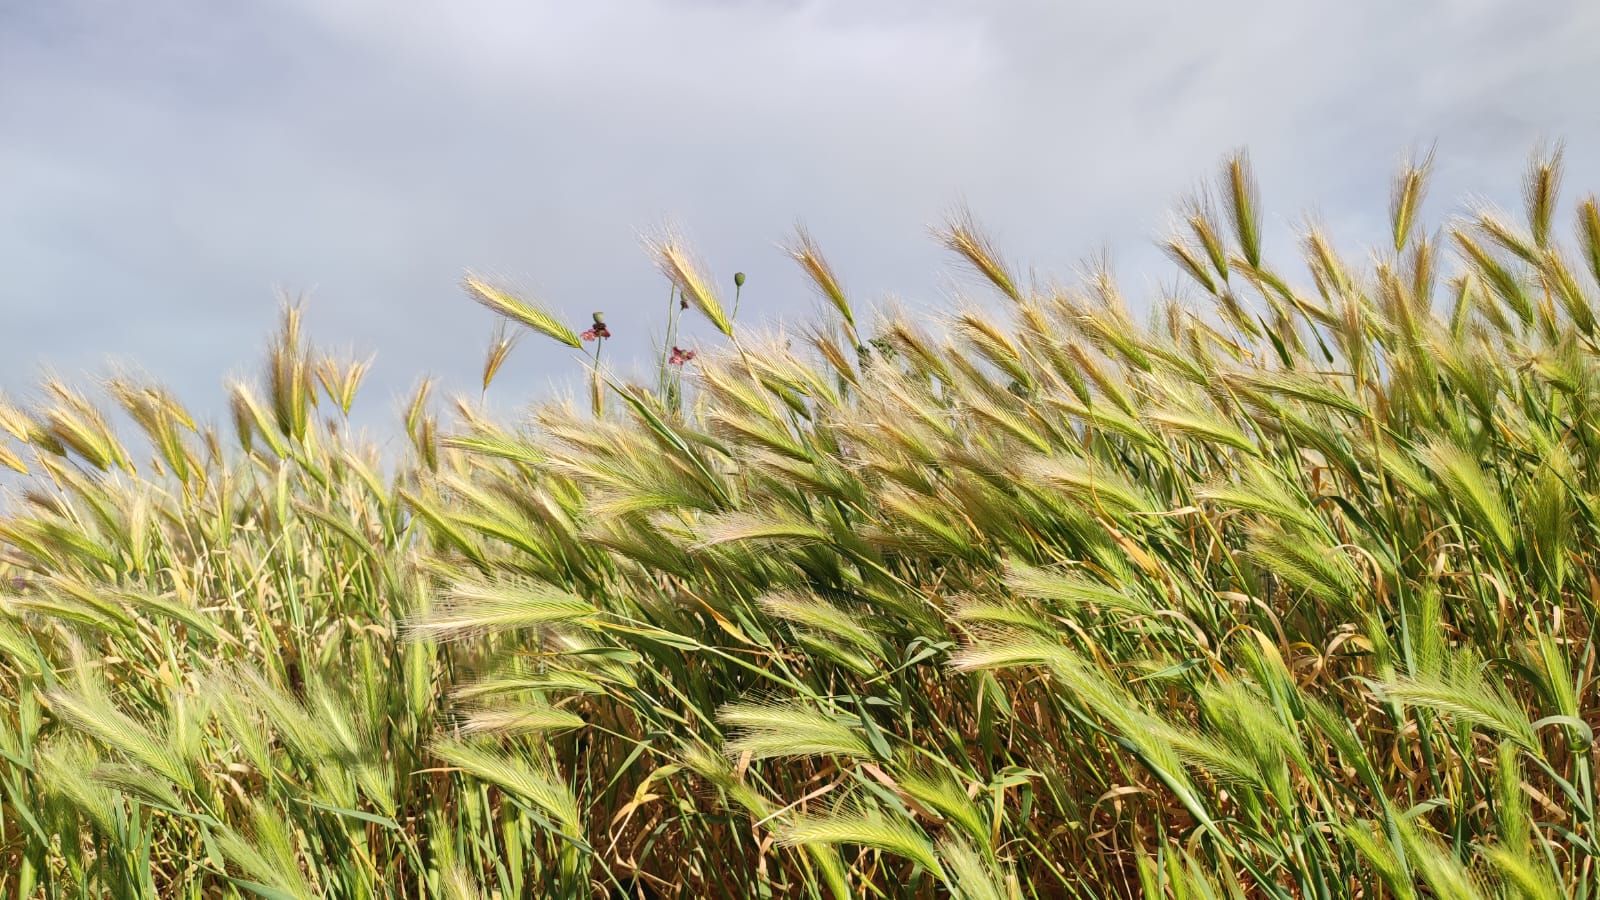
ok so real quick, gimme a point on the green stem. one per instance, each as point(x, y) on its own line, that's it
point(596, 395)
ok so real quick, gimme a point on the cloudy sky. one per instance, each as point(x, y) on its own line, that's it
point(168, 168)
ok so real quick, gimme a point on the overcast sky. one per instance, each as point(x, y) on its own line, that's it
point(167, 167)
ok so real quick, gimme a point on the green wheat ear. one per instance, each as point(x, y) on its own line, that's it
point(521, 312)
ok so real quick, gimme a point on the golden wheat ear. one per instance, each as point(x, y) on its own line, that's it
point(803, 249)
point(675, 262)
point(961, 235)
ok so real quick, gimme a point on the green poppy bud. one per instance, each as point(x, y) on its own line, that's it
point(738, 279)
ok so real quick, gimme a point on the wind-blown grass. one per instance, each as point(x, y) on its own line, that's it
point(1287, 592)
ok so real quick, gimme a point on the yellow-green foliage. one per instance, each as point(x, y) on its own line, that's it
point(1287, 593)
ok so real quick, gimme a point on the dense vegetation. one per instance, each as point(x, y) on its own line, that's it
point(1290, 592)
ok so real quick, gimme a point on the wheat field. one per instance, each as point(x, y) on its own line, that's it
point(1281, 584)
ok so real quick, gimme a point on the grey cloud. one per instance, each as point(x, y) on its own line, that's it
point(166, 166)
